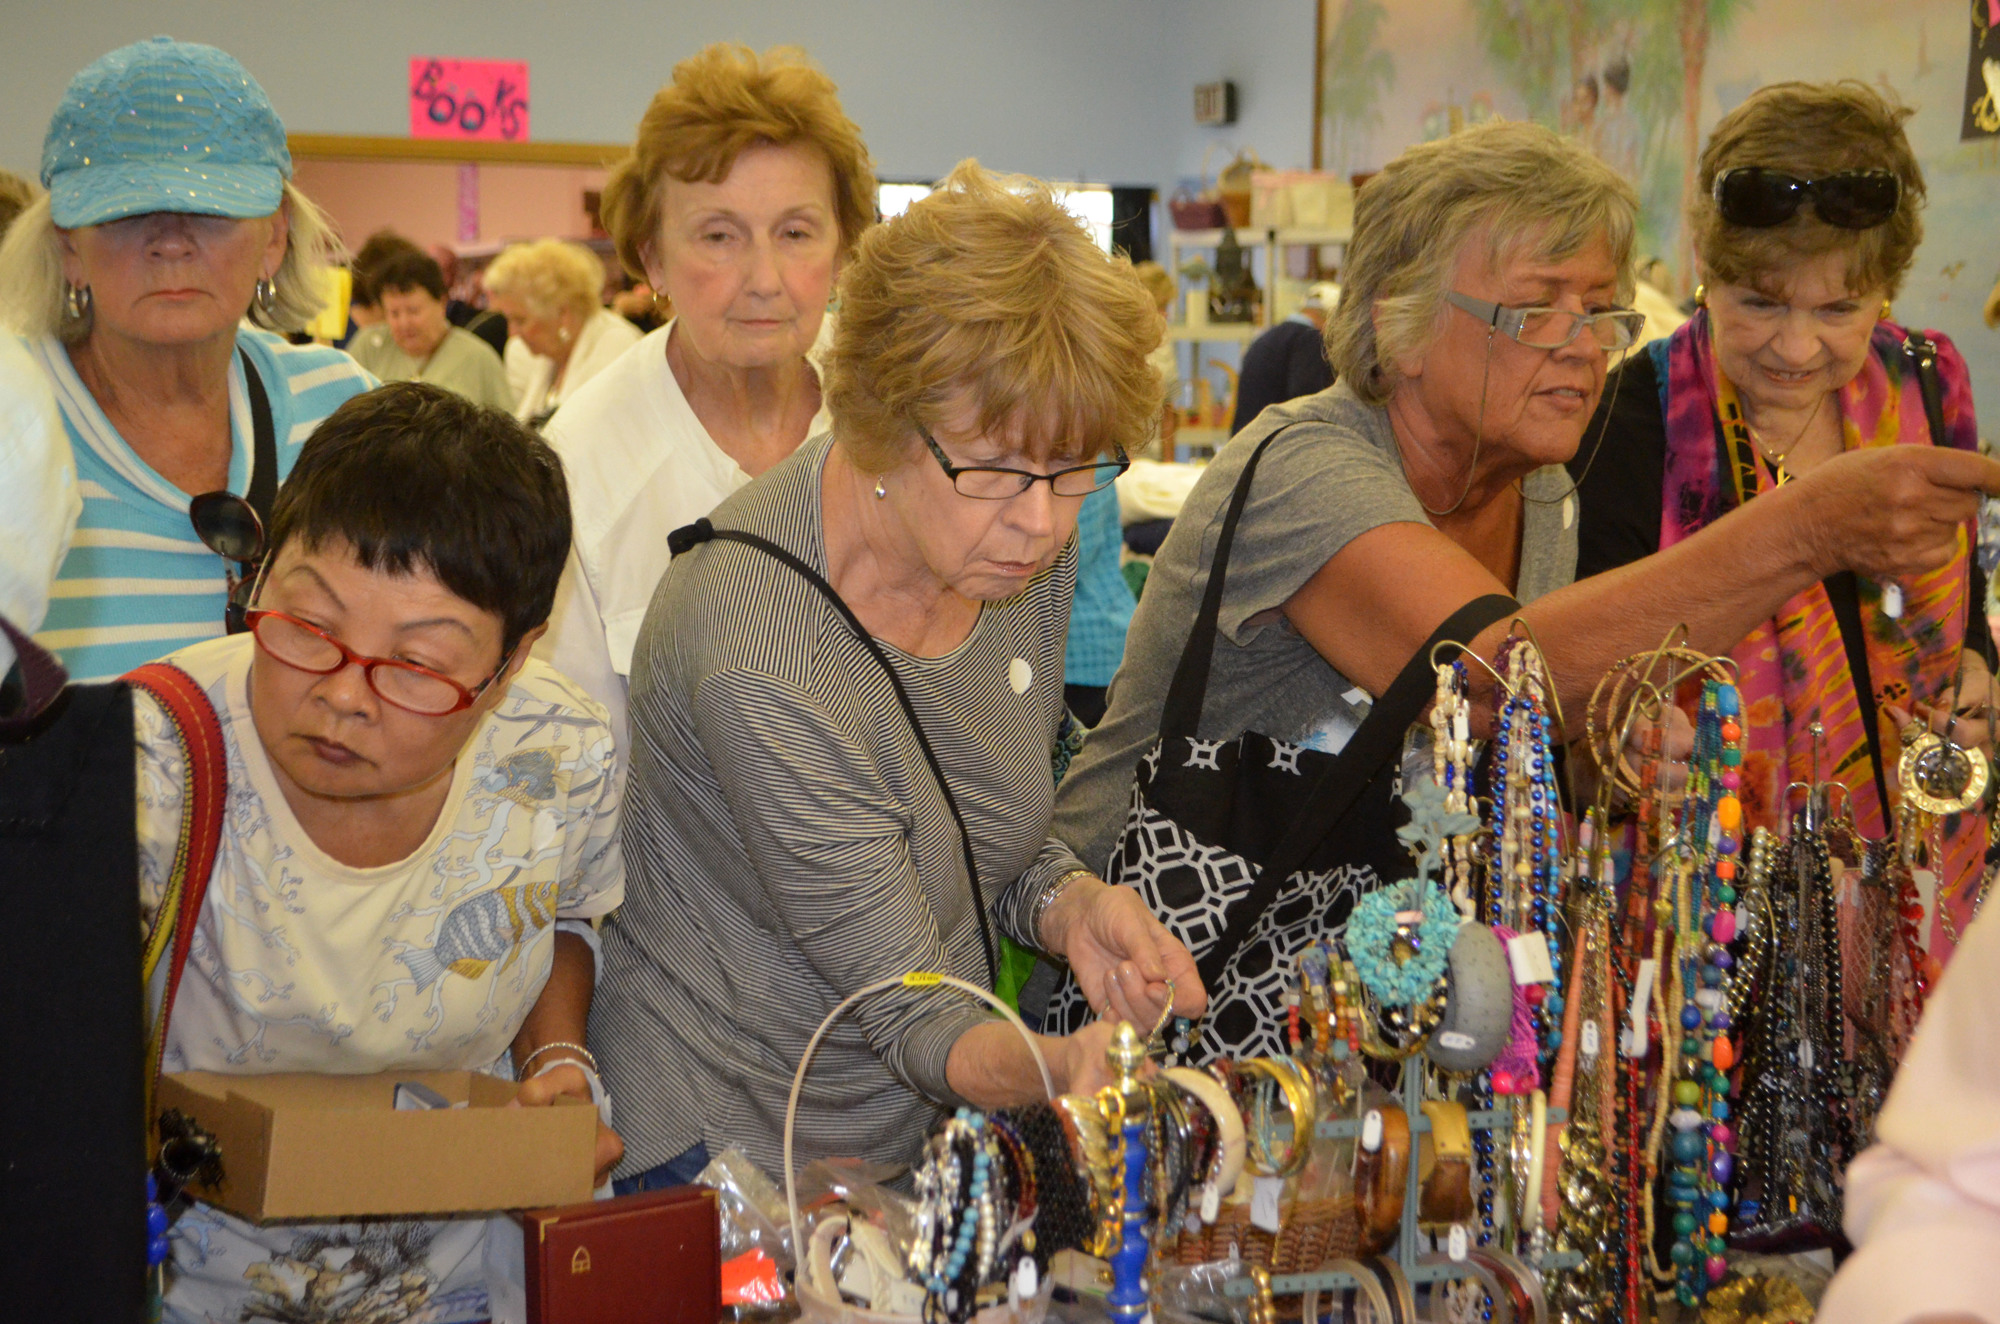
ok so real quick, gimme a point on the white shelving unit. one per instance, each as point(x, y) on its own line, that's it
point(1265, 249)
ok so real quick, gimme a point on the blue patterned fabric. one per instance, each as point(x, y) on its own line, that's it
point(163, 125)
point(1103, 607)
point(137, 583)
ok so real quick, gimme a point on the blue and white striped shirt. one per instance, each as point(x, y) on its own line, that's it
point(137, 583)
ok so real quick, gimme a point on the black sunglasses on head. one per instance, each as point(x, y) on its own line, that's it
point(229, 527)
point(1758, 198)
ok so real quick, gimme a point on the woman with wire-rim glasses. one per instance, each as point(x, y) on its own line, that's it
point(1485, 296)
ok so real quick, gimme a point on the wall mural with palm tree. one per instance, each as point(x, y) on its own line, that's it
point(1643, 81)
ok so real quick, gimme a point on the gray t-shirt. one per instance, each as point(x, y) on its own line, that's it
point(1318, 487)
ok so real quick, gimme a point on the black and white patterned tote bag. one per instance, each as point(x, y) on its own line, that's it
point(1249, 849)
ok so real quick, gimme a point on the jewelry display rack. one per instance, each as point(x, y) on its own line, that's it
point(1407, 1253)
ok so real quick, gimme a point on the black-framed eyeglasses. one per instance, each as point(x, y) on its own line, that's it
point(1553, 328)
point(986, 483)
point(228, 526)
point(1757, 197)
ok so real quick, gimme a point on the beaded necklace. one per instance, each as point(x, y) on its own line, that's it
point(1704, 870)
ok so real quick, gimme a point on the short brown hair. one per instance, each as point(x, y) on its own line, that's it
point(1810, 130)
point(1531, 187)
point(721, 101)
point(988, 292)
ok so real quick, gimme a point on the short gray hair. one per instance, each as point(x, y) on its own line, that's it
point(1531, 187)
point(32, 285)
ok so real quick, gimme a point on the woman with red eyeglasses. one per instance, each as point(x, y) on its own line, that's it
point(1805, 226)
point(421, 822)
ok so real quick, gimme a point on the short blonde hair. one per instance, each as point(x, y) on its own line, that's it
point(721, 101)
point(32, 285)
point(549, 276)
point(1157, 282)
point(1532, 189)
point(1810, 130)
point(988, 293)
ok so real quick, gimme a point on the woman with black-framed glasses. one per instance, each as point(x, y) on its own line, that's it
point(845, 700)
point(1805, 224)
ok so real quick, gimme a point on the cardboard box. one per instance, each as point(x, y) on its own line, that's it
point(326, 1147)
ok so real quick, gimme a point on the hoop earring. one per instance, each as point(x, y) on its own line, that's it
point(1701, 296)
point(266, 297)
point(76, 302)
point(881, 492)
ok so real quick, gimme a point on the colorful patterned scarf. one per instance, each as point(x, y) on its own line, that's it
point(1793, 668)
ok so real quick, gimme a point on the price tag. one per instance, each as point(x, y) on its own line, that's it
point(1529, 955)
point(1455, 1246)
point(1371, 1130)
point(1211, 1202)
point(1456, 1040)
point(922, 979)
point(1026, 1282)
point(1805, 1054)
point(1642, 994)
point(1588, 1046)
point(1265, 1194)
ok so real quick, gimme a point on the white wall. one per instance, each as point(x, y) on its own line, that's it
point(1094, 90)
point(1266, 48)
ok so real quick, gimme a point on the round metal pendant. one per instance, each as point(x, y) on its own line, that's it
point(1940, 778)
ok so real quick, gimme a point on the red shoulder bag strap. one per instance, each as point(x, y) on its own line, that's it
point(207, 761)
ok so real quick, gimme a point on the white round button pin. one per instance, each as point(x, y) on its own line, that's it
point(1020, 675)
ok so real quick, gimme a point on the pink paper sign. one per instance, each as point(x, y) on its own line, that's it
point(483, 100)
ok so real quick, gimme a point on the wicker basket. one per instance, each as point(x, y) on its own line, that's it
point(1311, 1232)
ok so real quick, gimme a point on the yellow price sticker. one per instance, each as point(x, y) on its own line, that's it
point(922, 979)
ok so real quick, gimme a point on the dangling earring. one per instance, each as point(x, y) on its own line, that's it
point(563, 334)
point(1701, 296)
point(266, 297)
point(1884, 315)
point(881, 492)
point(76, 302)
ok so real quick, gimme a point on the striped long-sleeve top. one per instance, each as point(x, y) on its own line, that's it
point(137, 583)
point(786, 844)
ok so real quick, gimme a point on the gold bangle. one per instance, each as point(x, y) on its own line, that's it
point(1300, 1102)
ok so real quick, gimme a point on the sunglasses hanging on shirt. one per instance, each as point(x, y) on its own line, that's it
point(1758, 198)
point(228, 526)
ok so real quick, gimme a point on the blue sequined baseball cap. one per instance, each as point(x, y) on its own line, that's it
point(164, 125)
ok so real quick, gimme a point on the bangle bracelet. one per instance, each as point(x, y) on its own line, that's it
point(588, 1059)
point(1050, 895)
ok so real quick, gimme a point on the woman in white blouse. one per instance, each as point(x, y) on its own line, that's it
point(560, 334)
point(746, 188)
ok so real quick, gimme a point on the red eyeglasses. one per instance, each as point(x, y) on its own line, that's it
point(408, 686)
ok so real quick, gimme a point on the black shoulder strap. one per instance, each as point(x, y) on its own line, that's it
point(1843, 590)
point(1374, 743)
point(1182, 714)
point(701, 531)
point(264, 445)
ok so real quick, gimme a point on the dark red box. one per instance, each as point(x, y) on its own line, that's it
point(654, 1258)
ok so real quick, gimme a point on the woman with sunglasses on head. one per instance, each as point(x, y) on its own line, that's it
point(1805, 225)
point(842, 733)
point(422, 821)
point(170, 217)
point(1486, 291)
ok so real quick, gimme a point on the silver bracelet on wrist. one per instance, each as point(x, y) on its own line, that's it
point(1049, 896)
point(589, 1059)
